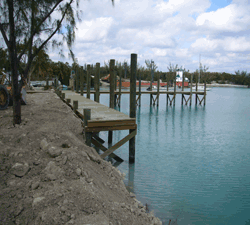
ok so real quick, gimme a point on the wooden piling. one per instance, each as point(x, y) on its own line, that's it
point(182, 95)
point(132, 105)
point(196, 96)
point(158, 90)
point(81, 80)
point(112, 92)
point(205, 87)
point(120, 86)
point(140, 89)
point(77, 80)
point(191, 90)
point(63, 96)
point(174, 86)
point(87, 116)
point(88, 80)
point(75, 106)
point(97, 83)
point(68, 100)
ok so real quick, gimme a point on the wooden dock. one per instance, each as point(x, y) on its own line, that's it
point(101, 118)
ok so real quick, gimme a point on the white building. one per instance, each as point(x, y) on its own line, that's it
point(179, 76)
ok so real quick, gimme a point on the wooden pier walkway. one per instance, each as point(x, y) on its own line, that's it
point(100, 118)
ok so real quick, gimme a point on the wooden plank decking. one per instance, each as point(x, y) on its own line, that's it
point(102, 118)
point(150, 92)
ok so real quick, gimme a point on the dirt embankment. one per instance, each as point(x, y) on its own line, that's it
point(49, 176)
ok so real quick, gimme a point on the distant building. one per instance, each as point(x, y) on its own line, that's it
point(179, 76)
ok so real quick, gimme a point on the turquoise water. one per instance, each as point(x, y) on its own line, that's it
point(192, 163)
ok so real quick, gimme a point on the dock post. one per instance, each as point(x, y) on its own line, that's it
point(174, 87)
point(77, 79)
point(132, 105)
point(140, 89)
point(112, 91)
point(68, 100)
point(81, 80)
point(191, 89)
point(115, 83)
point(75, 106)
point(97, 83)
point(88, 81)
point(120, 86)
point(158, 90)
point(87, 116)
point(167, 87)
point(63, 96)
point(205, 87)
point(196, 89)
point(182, 95)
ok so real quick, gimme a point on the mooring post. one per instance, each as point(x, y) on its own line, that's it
point(88, 81)
point(75, 105)
point(77, 80)
point(191, 89)
point(174, 86)
point(63, 96)
point(115, 85)
point(205, 87)
point(112, 92)
point(87, 117)
point(168, 78)
point(81, 79)
point(158, 90)
point(140, 89)
point(196, 89)
point(68, 100)
point(60, 93)
point(132, 105)
point(120, 86)
point(182, 95)
point(97, 82)
point(151, 83)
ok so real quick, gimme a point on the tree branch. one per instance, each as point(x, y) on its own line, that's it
point(45, 42)
point(37, 28)
point(4, 36)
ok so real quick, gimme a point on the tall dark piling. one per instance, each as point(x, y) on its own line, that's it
point(97, 83)
point(88, 80)
point(112, 92)
point(132, 105)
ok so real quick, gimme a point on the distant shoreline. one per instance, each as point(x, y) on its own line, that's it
point(226, 85)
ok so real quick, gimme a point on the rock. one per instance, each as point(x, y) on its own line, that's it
point(85, 174)
point(64, 160)
point(132, 195)
point(44, 144)
point(140, 206)
point(52, 171)
point(156, 221)
point(54, 151)
point(35, 185)
point(20, 169)
point(18, 210)
point(51, 177)
point(71, 222)
point(78, 171)
point(37, 200)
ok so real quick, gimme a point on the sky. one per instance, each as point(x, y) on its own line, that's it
point(173, 31)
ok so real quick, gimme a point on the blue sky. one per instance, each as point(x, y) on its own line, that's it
point(174, 31)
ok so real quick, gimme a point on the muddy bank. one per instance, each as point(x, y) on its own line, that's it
point(49, 176)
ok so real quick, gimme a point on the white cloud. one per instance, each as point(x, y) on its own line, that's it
point(173, 31)
point(232, 18)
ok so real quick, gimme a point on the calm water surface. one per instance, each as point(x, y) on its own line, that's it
point(192, 163)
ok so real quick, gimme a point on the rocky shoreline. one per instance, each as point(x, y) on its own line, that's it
point(49, 176)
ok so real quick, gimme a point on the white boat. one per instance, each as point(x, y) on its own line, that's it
point(201, 89)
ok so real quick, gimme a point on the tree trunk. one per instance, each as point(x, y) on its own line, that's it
point(16, 93)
